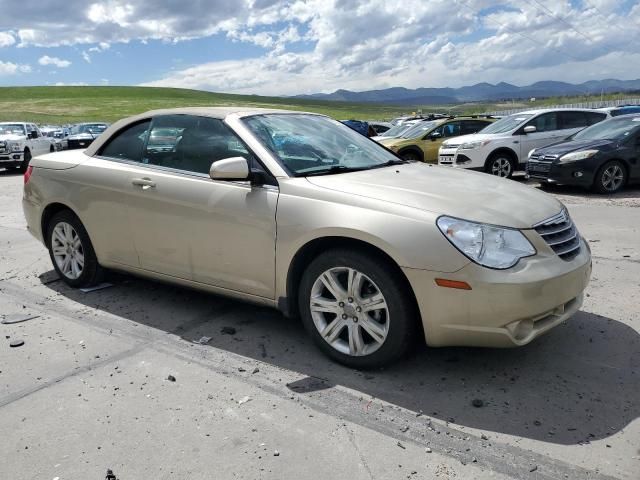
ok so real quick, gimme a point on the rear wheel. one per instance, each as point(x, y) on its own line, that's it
point(357, 309)
point(500, 165)
point(26, 159)
point(611, 177)
point(71, 251)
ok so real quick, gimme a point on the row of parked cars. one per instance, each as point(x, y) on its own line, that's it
point(21, 141)
point(597, 149)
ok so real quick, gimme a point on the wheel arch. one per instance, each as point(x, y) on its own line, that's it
point(505, 151)
point(47, 214)
point(412, 149)
point(309, 251)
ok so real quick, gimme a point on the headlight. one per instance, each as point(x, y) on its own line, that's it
point(531, 152)
point(474, 145)
point(493, 247)
point(16, 147)
point(581, 155)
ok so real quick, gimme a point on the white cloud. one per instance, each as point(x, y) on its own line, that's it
point(58, 62)
point(10, 68)
point(7, 39)
point(71, 84)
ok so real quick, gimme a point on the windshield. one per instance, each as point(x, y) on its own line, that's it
point(316, 145)
point(507, 124)
point(12, 129)
point(618, 128)
point(94, 129)
point(418, 129)
point(397, 130)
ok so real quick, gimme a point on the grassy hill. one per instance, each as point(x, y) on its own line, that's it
point(74, 104)
point(58, 105)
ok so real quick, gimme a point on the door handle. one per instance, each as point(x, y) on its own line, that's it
point(145, 183)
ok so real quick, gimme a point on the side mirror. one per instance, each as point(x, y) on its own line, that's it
point(234, 168)
point(434, 136)
point(530, 129)
point(33, 134)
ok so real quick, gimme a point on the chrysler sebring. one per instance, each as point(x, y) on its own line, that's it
point(299, 212)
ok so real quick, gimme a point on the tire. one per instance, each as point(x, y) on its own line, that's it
point(51, 149)
point(61, 229)
point(410, 156)
point(393, 322)
point(500, 165)
point(611, 177)
point(26, 160)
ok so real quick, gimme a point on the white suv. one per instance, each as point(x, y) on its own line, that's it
point(502, 147)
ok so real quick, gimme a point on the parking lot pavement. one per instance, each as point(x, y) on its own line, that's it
point(91, 387)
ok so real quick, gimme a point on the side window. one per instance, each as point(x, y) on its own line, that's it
point(593, 117)
point(451, 129)
point(127, 144)
point(191, 143)
point(573, 120)
point(472, 126)
point(546, 122)
point(32, 128)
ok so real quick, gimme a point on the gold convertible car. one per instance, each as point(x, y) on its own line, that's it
point(422, 141)
point(299, 212)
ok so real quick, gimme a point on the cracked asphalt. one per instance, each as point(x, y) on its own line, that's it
point(90, 388)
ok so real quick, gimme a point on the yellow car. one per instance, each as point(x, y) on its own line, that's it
point(422, 141)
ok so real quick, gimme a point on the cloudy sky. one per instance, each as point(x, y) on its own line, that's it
point(306, 46)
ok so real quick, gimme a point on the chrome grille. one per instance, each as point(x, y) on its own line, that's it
point(561, 235)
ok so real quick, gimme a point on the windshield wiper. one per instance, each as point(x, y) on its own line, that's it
point(333, 169)
point(344, 169)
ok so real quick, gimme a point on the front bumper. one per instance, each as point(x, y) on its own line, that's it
point(573, 173)
point(505, 308)
point(78, 143)
point(11, 159)
point(454, 157)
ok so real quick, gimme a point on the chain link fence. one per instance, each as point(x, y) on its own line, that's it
point(594, 104)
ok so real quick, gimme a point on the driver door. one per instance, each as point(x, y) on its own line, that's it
point(186, 225)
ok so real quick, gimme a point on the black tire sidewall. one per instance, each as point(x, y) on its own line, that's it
point(410, 156)
point(598, 185)
point(25, 162)
point(402, 312)
point(92, 272)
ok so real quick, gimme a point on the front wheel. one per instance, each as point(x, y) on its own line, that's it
point(610, 178)
point(357, 309)
point(410, 156)
point(500, 165)
point(71, 251)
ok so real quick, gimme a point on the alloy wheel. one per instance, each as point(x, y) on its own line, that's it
point(612, 178)
point(349, 311)
point(501, 167)
point(67, 249)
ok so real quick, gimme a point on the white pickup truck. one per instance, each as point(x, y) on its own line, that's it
point(20, 142)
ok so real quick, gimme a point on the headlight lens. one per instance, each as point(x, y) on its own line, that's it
point(531, 152)
point(490, 246)
point(15, 147)
point(581, 155)
point(474, 145)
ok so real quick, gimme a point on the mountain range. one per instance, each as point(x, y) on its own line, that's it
point(480, 92)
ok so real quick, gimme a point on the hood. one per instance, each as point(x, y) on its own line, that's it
point(568, 146)
point(449, 191)
point(12, 137)
point(397, 141)
point(470, 138)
